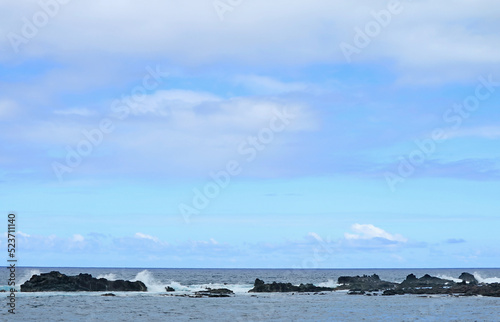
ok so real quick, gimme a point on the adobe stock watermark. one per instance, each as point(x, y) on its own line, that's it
point(49, 9)
point(121, 109)
point(364, 36)
point(222, 7)
point(249, 149)
point(455, 116)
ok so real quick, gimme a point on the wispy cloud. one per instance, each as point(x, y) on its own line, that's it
point(144, 236)
point(265, 85)
point(368, 232)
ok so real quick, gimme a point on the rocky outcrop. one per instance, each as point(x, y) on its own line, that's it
point(425, 285)
point(430, 285)
point(363, 283)
point(57, 282)
point(468, 278)
point(412, 281)
point(169, 289)
point(261, 287)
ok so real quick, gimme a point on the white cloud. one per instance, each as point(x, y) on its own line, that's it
point(78, 238)
point(144, 236)
point(450, 33)
point(174, 131)
point(268, 85)
point(165, 103)
point(201, 111)
point(366, 232)
point(20, 233)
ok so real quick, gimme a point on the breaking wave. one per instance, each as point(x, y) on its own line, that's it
point(481, 279)
point(156, 286)
point(109, 277)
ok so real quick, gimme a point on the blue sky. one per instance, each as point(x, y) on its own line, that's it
point(245, 134)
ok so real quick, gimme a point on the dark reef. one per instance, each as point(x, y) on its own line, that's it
point(57, 282)
point(362, 285)
point(260, 287)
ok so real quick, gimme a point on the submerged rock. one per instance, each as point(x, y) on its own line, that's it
point(58, 282)
point(261, 287)
point(218, 292)
point(357, 293)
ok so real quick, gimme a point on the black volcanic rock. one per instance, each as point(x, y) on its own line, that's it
point(412, 281)
point(364, 283)
point(261, 287)
point(467, 277)
point(430, 285)
point(57, 282)
point(258, 282)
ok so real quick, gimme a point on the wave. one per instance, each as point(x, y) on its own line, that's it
point(20, 280)
point(27, 275)
point(447, 277)
point(330, 283)
point(156, 286)
point(109, 277)
point(481, 279)
point(236, 288)
point(178, 287)
point(150, 281)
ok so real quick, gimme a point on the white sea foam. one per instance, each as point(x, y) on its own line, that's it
point(330, 283)
point(236, 288)
point(481, 279)
point(151, 283)
point(446, 277)
point(27, 275)
point(156, 286)
point(109, 277)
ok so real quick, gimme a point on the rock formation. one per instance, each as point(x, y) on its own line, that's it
point(468, 278)
point(260, 286)
point(57, 282)
point(363, 283)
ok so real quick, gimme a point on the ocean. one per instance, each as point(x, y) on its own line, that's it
point(155, 305)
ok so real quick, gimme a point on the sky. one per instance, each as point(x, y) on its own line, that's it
point(251, 134)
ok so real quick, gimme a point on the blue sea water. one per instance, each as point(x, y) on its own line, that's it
point(156, 305)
